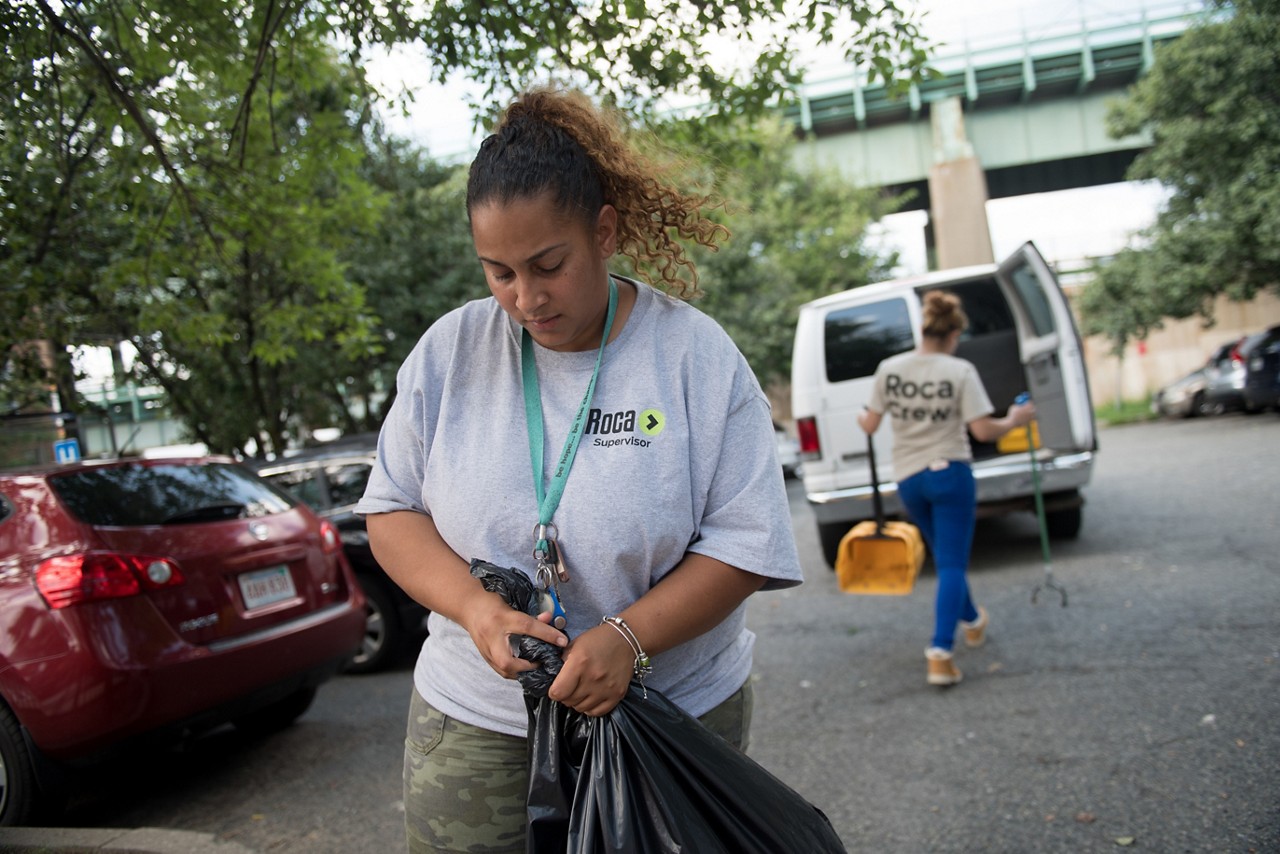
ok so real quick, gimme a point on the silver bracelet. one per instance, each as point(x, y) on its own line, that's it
point(642, 667)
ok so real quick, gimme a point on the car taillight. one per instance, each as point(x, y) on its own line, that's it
point(807, 430)
point(329, 539)
point(71, 579)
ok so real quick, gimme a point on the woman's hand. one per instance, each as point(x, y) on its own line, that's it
point(869, 420)
point(492, 624)
point(598, 666)
point(988, 429)
point(411, 550)
point(1021, 414)
point(691, 599)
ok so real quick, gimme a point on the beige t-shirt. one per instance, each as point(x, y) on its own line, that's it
point(928, 398)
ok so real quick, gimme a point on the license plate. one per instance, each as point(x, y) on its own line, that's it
point(266, 586)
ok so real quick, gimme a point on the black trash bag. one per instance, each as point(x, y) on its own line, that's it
point(647, 777)
point(515, 587)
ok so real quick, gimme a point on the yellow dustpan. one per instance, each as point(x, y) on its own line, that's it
point(878, 557)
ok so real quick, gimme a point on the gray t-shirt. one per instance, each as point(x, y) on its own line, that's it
point(928, 398)
point(678, 455)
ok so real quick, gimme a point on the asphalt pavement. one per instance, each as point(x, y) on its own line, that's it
point(1142, 715)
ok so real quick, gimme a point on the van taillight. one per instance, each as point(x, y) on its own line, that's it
point(807, 430)
point(71, 579)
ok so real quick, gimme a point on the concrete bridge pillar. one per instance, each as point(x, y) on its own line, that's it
point(958, 192)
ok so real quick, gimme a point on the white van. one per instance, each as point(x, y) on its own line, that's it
point(1021, 337)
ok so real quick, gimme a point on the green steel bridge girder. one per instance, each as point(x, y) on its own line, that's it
point(1089, 60)
point(1062, 76)
point(1034, 113)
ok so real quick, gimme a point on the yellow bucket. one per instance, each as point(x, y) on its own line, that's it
point(1015, 441)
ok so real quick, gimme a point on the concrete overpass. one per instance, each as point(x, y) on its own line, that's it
point(1014, 115)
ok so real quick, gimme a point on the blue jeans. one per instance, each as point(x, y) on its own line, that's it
point(943, 505)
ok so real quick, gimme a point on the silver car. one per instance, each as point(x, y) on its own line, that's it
point(1214, 388)
point(1182, 398)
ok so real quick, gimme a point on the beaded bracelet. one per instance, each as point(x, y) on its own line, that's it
point(641, 668)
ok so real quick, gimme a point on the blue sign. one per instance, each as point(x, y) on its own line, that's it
point(67, 451)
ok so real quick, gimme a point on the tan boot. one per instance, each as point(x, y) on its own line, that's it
point(975, 633)
point(942, 670)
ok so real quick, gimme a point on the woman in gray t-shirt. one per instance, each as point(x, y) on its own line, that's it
point(930, 397)
point(573, 420)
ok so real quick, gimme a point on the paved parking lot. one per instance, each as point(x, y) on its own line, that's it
point(1142, 714)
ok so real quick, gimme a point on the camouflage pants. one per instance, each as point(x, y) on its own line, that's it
point(465, 787)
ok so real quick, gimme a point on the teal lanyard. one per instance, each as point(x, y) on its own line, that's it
point(549, 499)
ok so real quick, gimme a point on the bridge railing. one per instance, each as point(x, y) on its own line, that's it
point(1000, 67)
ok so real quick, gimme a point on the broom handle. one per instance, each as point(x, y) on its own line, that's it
point(876, 503)
point(1035, 483)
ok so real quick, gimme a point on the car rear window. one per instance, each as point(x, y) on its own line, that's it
point(347, 482)
point(302, 483)
point(133, 495)
point(859, 338)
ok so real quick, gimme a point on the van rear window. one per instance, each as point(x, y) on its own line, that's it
point(858, 339)
point(1032, 293)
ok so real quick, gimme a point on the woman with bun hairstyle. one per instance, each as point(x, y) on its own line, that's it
point(573, 419)
point(933, 400)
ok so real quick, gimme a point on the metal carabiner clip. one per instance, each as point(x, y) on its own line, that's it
point(549, 598)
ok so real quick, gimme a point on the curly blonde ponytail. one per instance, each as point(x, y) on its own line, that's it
point(558, 141)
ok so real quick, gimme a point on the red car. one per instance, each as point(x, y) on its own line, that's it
point(146, 596)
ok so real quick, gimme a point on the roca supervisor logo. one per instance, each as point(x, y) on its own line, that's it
point(621, 428)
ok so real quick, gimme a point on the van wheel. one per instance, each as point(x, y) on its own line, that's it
point(18, 790)
point(831, 533)
point(1064, 524)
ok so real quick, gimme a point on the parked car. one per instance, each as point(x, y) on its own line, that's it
point(1021, 337)
point(788, 451)
point(156, 597)
point(1224, 379)
point(1191, 396)
point(1182, 398)
point(1215, 387)
point(330, 479)
point(1262, 372)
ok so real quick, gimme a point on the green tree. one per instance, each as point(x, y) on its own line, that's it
point(191, 175)
point(204, 229)
point(418, 264)
point(1211, 105)
point(796, 234)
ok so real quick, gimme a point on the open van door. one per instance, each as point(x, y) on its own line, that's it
point(1052, 354)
